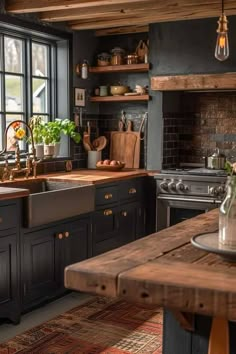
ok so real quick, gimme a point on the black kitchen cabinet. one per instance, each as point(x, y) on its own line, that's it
point(127, 222)
point(40, 265)
point(9, 279)
point(46, 252)
point(9, 260)
point(141, 220)
point(120, 215)
point(75, 245)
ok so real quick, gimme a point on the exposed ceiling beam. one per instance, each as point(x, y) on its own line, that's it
point(100, 11)
point(121, 30)
point(164, 13)
point(26, 6)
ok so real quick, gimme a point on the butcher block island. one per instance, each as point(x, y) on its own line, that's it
point(165, 269)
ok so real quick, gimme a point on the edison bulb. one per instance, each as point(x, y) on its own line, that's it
point(222, 46)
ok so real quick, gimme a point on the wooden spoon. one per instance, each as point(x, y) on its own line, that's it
point(100, 143)
point(86, 142)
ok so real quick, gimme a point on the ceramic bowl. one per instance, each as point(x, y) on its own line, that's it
point(118, 90)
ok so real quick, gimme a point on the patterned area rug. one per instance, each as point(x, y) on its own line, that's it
point(100, 326)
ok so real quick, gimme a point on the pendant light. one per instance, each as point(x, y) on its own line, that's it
point(222, 42)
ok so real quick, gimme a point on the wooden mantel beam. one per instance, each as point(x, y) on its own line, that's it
point(224, 81)
point(26, 6)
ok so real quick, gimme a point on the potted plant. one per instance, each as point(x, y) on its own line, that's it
point(52, 132)
point(48, 139)
point(36, 124)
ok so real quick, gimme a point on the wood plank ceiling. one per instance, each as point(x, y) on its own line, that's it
point(114, 14)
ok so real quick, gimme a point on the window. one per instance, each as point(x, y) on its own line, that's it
point(27, 80)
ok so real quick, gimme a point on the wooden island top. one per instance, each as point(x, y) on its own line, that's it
point(164, 269)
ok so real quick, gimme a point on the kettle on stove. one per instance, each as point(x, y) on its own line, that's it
point(215, 161)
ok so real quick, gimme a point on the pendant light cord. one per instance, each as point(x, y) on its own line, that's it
point(222, 6)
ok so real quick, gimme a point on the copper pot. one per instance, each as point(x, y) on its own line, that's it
point(131, 59)
point(117, 59)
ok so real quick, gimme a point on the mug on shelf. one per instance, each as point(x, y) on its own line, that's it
point(103, 91)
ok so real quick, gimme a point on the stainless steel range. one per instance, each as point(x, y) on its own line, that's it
point(184, 193)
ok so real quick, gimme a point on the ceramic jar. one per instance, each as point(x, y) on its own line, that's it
point(227, 216)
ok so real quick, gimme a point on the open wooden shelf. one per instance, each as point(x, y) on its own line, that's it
point(120, 68)
point(120, 98)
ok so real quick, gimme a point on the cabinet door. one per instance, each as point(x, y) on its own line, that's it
point(40, 265)
point(105, 230)
point(140, 221)
point(9, 279)
point(75, 242)
point(127, 223)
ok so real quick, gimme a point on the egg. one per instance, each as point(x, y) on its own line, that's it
point(106, 162)
point(114, 163)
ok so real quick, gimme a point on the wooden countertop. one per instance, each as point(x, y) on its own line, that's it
point(12, 193)
point(97, 176)
point(85, 176)
point(164, 269)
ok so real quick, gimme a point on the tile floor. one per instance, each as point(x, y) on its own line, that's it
point(42, 314)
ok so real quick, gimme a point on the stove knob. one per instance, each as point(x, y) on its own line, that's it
point(186, 188)
point(172, 185)
point(164, 186)
point(221, 190)
point(180, 186)
point(213, 191)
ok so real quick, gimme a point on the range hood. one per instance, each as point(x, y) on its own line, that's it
point(196, 82)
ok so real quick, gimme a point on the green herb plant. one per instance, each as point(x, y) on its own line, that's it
point(52, 131)
point(36, 124)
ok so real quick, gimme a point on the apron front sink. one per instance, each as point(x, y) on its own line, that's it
point(51, 201)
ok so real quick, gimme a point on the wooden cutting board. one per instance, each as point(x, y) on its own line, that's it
point(125, 146)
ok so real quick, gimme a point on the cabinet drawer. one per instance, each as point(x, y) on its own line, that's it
point(130, 190)
point(8, 216)
point(106, 195)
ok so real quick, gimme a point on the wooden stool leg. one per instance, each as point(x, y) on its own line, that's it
point(219, 337)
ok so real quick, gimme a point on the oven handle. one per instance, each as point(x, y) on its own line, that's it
point(212, 201)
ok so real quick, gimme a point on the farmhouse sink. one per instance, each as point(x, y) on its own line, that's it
point(51, 201)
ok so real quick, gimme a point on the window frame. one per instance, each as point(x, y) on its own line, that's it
point(27, 76)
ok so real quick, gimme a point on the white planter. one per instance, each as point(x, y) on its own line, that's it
point(39, 150)
point(49, 151)
point(57, 149)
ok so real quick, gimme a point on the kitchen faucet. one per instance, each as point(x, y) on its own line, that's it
point(30, 163)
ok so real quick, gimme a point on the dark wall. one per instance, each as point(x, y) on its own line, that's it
point(183, 47)
point(104, 117)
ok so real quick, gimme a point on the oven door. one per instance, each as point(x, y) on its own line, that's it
point(171, 210)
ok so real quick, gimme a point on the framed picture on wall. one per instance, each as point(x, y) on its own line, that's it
point(79, 97)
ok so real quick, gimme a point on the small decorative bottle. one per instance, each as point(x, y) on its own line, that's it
point(227, 217)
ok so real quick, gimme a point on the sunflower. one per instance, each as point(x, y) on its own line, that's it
point(20, 134)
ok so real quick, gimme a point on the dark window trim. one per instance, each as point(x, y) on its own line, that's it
point(46, 31)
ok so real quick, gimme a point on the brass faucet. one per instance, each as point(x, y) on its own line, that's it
point(31, 164)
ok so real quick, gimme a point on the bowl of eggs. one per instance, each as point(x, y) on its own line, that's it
point(110, 165)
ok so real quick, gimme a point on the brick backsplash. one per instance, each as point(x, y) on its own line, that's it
point(206, 121)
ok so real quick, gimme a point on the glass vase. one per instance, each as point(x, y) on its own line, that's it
point(227, 216)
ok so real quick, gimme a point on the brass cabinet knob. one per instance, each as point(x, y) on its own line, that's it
point(67, 234)
point(60, 236)
point(124, 213)
point(107, 212)
point(1, 219)
point(132, 191)
point(108, 196)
